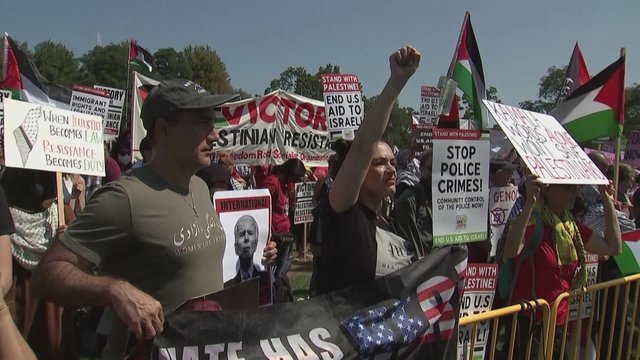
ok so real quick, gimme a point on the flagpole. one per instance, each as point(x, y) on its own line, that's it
point(124, 108)
point(616, 170)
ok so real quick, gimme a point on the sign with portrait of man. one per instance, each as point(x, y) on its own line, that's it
point(246, 219)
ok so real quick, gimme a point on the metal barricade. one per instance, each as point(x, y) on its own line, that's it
point(494, 316)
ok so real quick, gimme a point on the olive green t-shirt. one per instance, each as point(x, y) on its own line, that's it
point(142, 230)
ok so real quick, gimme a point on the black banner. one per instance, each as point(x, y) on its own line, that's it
point(409, 314)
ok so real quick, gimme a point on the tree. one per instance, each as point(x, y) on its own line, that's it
point(299, 81)
point(467, 111)
point(208, 69)
point(632, 109)
point(106, 65)
point(171, 64)
point(56, 63)
point(398, 132)
point(548, 90)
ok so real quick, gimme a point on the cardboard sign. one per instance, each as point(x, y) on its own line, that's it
point(479, 291)
point(501, 200)
point(592, 279)
point(88, 100)
point(421, 139)
point(114, 112)
point(45, 138)
point(304, 195)
point(632, 151)
point(246, 218)
point(429, 99)
point(4, 94)
point(343, 105)
point(545, 146)
point(460, 186)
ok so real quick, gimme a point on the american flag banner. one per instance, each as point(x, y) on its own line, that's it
point(409, 314)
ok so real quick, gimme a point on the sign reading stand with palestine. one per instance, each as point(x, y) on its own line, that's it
point(460, 186)
point(343, 105)
point(304, 194)
point(45, 138)
point(429, 99)
point(545, 146)
point(113, 119)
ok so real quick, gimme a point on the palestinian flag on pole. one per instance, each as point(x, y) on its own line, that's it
point(139, 56)
point(629, 260)
point(466, 69)
point(576, 75)
point(451, 121)
point(21, 75)
point(141, 87)
point(595, 109)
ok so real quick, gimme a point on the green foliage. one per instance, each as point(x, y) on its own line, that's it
point(208, 69)
point(171, 64)
point(301, 82)
point(106, 65)
point(398, 131)
point(548, 90)
point(56, 63)
point(467, 111)
point(632, 109)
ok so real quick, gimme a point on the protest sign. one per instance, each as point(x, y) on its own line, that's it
point(479, 290)
point(304, 194)
point(545, 146)
point(246, 218)
point(113, 119)
point(408, 314)
point(429, 99)
point(4, 94)
point(592, 279)
point(274, 128)
point(501, 200)
point(343, 104)
point(45, 138)
point(460, 186)
point(632, 151)
point(421, 139)
point(88, 100)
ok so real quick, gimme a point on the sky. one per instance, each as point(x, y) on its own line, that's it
point(257, 40)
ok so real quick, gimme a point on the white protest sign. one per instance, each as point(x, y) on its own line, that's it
point(246, 218)
point(632, 151)
point(501, 200)
point(343, 105)
point(429, 99)
point(45, 138)
point(479, 291)
point(114, 112)
point(460, 186)
point(4, 94)
point(592, 279)
point(87, 100)
point(304, 194)
point(545, 146)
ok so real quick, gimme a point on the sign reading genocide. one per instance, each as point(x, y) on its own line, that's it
point(113, 119)
point(545, 146)
point(429, 99)
point(501, 200)
point(343, 105)
point(460, 186)
point(479, 290)
point(304, 194)
point(45, 138)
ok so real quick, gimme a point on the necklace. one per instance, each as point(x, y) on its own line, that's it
point(192, 205)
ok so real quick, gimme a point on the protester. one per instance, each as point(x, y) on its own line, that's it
point(137, 229)
point(12, 344)
point(225, 160)
point(407, 174)
point(6, 229)
point(356, 241)
point(216, 177)
point(111, 168)
point(121, 151)
point(74, 192)
point(558, 264)
point(626, 179)
point(412, 211)
point(145, 151)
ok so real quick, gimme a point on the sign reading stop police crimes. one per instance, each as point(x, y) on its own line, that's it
point(343, 105)
point(429, 98)
point(112, 121)
point(304, 195)
point(545, 146)
point(479, 291)
point(460, 186)
point(45, 138)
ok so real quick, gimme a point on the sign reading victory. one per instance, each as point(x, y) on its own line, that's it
point(304, 195)
point(545, 146)
point(112, 121)
point(45, 138)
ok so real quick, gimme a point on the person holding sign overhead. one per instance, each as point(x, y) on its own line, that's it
point(358, 244)
point(556, 244)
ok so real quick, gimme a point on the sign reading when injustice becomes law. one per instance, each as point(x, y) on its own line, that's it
point(545, 146)
point(46, 138)
point(343, 105)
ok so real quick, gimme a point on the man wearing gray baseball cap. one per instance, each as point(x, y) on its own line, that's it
point(153, 235)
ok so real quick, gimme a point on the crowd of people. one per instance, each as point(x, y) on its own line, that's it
point(124, 249)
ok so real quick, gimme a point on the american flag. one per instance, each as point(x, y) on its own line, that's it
point(384, 328)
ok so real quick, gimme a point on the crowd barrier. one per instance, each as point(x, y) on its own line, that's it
point(604, 325)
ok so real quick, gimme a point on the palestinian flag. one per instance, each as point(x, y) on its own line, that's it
point(21, 75)
point(595, 109)
point(139, 56)
point(451, 121)
point(466, 69)
point(141, 87)
point(629, 261)
point(576, 75)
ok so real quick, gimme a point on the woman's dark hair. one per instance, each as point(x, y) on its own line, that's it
point(341, 147)
point(119, 145)
point(27, 189)
point(215, 174)
point(292, 168)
